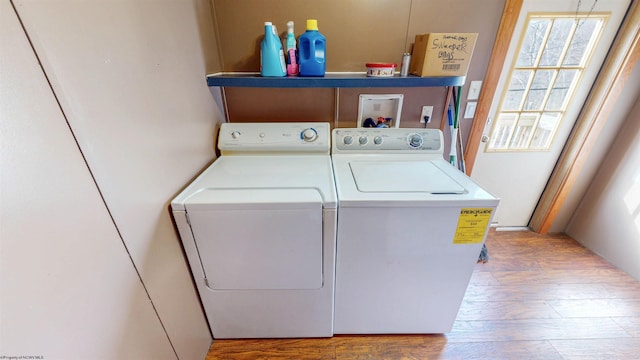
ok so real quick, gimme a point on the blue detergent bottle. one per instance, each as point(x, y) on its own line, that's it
point(271, 53)
point(312, 51)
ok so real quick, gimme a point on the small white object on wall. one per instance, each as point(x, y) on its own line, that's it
point(474, 90)
point(470, 110)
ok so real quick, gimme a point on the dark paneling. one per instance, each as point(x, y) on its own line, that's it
point(357, 31)
point(280, 105)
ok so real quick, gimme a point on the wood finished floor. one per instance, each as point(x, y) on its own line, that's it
point(538, 297)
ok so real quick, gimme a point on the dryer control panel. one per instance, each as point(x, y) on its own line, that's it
point(388, 140)
point(264, 138)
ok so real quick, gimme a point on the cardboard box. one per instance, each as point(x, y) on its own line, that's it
point(442, 54)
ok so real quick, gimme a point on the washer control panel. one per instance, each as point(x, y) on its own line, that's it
point(274, 137)
point(399, 140)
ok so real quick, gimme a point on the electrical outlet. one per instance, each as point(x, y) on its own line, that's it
point(427, 112)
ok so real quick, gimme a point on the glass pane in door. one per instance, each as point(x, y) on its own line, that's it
point(561, 88)
point(523, 131)
point(545, 130)
point(553, 52)
point(532, 43)
point(503, 129)
point(556, 45)
point(517, 89)
point(582, 41)
point(538, 91)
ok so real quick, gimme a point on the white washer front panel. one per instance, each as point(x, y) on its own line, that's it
point(398, 270)
point(260, 245)
point(403, 176)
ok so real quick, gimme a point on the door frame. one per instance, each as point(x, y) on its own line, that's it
point(617, 67)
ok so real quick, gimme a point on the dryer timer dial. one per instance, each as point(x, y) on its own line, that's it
point(309, 134)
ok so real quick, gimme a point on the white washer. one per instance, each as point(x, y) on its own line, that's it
point(259, 230)
point(410, 229)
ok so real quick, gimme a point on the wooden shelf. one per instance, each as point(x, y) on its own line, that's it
point(330, 80)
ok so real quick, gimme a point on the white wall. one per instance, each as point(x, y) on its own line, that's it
point(130, 79)
point(607, 221)
point(605, 140)
point(68, 289)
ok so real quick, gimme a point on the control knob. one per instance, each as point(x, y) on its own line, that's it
point(377, 140)
point(362, 140)
point(348, 140)
point(235, 134)
point(309, 134)
point(414, 140)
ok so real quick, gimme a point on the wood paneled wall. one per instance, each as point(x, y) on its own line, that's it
point(357, 31)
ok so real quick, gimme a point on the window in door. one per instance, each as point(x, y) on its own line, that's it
point(554, 51)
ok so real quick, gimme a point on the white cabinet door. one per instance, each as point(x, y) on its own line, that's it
point(68, 288)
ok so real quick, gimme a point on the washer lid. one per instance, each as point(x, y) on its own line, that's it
point(403, 176)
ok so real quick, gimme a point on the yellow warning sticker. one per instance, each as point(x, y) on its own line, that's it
point(472, 225)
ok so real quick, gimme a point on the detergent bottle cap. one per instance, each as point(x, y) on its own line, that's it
point(290, 27)
point(268, 23)
point(312, 24)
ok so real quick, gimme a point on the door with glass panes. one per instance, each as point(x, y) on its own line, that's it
point(554, 56)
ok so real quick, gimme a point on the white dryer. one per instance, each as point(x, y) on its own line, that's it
point(259, 229)
point(410, 229)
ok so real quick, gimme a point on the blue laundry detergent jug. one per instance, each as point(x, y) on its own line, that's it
point(312, 49)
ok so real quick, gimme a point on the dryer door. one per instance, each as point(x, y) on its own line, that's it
point(258, 238)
